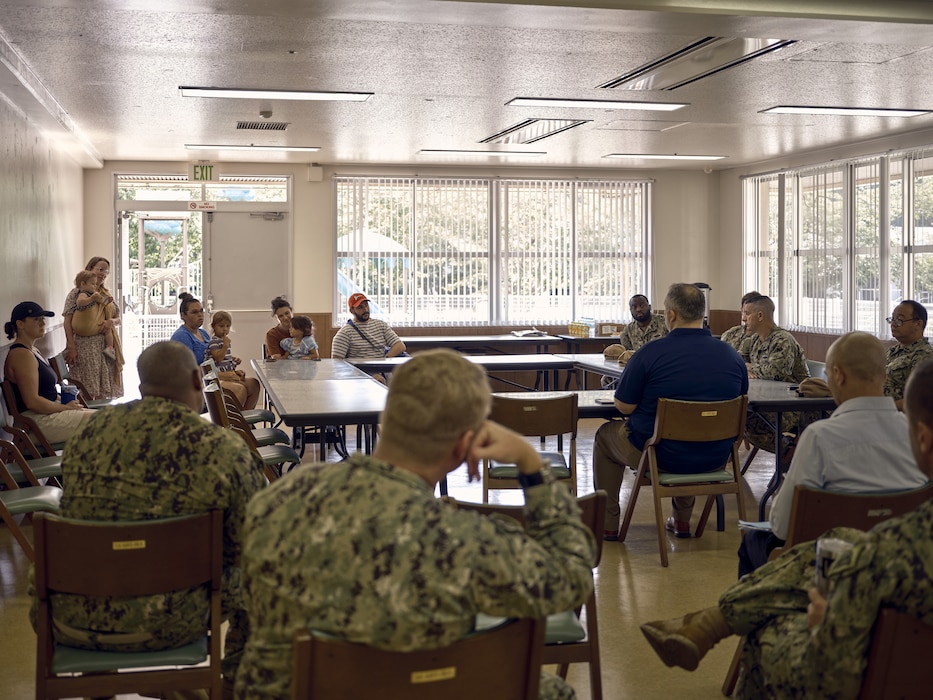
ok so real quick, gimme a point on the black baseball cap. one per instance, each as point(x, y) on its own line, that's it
point(28, 309)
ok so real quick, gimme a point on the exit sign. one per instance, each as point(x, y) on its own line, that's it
point(203, 172)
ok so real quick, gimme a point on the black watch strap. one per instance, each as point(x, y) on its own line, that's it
point(529, 480)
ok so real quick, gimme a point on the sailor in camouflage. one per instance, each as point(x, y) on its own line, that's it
point(738, 336)
point(645, 325)
point(363, 550)
point(908, 321)
point(799, 644)
point(154, 458)
point(776, 356)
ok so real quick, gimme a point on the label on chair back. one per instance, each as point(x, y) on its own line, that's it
point(709, 414)
point(434, 675)
point(128, 544)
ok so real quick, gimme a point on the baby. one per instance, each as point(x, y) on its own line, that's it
point(91, 310)
point(301, 345)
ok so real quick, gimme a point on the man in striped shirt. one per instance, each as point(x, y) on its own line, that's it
point(363, 337)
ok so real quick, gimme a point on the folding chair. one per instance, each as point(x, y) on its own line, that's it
point(250, 415)
point(569, 637)
point(531, 416)
point(690, 421)
point(65, 379)
point(27, 424)
point(29, 471)
point(814, 511)
point(26, 500)
point(502, 662)
point(274, 457)
point(127, 559)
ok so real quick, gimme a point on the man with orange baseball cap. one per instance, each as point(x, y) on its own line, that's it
point(363, 337)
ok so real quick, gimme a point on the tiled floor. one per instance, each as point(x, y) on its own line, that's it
point(632, 587)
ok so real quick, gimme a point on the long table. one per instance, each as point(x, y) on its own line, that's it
point(467, 344)
point(493, 363)
point(308, 394)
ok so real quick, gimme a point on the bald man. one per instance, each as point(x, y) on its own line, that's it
point(156, 458)
point(863, 447)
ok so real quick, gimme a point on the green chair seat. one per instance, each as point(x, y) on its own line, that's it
point(72, 660)
point(555, 460)
point(670, 479)
point(258, 415)
point(278, 454)
point(31, 499)
point(561, 627)
point(270, 436)
point(43, 468)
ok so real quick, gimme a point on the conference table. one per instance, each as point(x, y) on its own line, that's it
point(309, 394)
point(547, 365)
point(482, 344)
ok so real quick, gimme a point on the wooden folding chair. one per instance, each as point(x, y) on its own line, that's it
point(814, 511)
point(571, 637)
point(16, 500)
point(27, 424)
point(124, 560)
point(530, 416)
point(274, 457)
point(502, 662)
point(28, 472)
point(65, 379)
point(690, 421)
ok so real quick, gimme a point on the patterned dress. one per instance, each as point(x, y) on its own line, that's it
point(97, 372)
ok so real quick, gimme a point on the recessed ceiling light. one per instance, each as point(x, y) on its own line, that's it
point(250, 147)
point(846, 111)
point(531, 130)
point(242, 93)
point(496, 154)
point(655, 156)
point(594, 104)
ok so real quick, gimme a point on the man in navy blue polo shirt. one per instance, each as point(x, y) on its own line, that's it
point(688, 364)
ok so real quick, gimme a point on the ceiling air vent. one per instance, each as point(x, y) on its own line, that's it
point(263, 126)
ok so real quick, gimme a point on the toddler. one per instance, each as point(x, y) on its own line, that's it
point(91, 310)
point(218, 348)
point(301, 345)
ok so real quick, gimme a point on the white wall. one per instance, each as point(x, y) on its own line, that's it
point(41, 212)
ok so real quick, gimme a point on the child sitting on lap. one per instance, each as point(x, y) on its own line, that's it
point(301, 345)
point(218, 348)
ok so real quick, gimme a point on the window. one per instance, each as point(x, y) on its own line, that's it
point(481, 251)
point(838, 246)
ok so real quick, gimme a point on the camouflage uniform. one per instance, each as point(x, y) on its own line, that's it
point(779, 358)
point(147, 459)
point(364, 551)
point(633, 336)
point(901, 360)
point(742, 342)
point(781, 658)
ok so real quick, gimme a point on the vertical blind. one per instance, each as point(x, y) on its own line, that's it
point(432, 251)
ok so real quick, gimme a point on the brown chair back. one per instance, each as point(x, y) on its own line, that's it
point(898, 659)
point(699, 421)
point(504, 662)
point(126, 559)
point(814, 511)
point(529, 416)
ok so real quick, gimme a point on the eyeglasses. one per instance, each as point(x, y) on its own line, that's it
point(898, 322)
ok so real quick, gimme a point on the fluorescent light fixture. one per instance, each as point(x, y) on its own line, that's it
point(657, 156)
point(594, 104)
point(495, 154)
point(700, 59)
point(531, 130)
point(243, 94)
point(250, 147)
point(846, 111)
